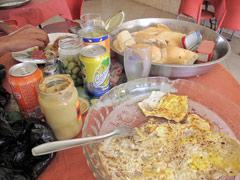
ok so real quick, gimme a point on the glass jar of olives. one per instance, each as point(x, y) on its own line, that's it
point(69, 51)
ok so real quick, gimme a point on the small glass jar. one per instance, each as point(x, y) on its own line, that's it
point(52, 63)
point(59, 101)
point(69, 51)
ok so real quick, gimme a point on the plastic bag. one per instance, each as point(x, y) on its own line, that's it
point(17, 137)
point(4, 95)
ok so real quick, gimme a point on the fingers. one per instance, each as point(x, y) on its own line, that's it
point(34, 30)
point(42, 37)
point(34, 34)
point(39, 43)
point(27, 37)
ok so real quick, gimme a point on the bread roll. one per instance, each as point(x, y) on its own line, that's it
point(140, 46)
point(164, 54)
point(121, 38)
point(172, 38)
point(149, 33)
point(176, 55)
point(159, 43)
point(163, 27)
point(115, 45)
point(156, 54)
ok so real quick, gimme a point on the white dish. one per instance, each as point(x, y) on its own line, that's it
point(25, 55)
point(9, 4)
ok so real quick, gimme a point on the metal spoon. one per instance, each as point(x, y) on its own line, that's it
point(46, 148)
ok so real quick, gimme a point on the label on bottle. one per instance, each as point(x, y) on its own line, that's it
point(78, 111)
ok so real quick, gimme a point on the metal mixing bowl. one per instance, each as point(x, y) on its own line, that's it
point(221, 51)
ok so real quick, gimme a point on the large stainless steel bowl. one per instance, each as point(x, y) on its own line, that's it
point(221, 50)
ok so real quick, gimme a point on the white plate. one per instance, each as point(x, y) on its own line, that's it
point(9, 4)
point(25, 55)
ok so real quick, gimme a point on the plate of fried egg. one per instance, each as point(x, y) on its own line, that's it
point(182, 130)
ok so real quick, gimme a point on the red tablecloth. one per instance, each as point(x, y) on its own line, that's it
point(71, 163)
point(37, 11)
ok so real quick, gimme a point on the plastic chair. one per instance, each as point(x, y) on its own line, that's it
point(75, 7)
point(232, 18)
point(220, 13)
point(193, 9)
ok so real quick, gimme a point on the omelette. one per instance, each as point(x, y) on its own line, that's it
point(170, 150)
point(169, 106)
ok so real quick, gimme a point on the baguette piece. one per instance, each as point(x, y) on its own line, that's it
point(163, 27)
point(115, 45)
point(172, 38)
point(121, 38)
point(176, 55)
point(156, 54)
point(149, 33)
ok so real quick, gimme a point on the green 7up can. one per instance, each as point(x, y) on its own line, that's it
point(95, 60)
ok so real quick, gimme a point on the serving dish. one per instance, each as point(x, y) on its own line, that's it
point(221, 50)
point(118, 107)
point(9, 4)
point(25, 55)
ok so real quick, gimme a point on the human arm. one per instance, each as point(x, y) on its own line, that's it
point(23, 38)
point(5, 28)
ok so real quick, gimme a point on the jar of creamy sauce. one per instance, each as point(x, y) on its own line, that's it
point(59, 101)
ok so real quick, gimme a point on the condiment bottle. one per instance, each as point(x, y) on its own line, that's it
point(51, 65)
point(59, 101)
point(69, 51)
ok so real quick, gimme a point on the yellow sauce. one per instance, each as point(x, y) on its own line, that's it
point(58, 99)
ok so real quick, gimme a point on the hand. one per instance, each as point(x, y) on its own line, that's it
point(6, 28)
point(25, 37)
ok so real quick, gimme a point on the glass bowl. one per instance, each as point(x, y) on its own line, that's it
point(119, 107)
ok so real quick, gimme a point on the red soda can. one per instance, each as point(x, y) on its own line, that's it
point(24, 79)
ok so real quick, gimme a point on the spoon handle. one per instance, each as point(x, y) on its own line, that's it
point(55, 146)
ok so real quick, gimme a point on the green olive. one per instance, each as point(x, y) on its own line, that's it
point(74, 76)
point(68, 71)
point(75, 70)
point(65, 63)
point(79, 74)
point(71, 65)
point(76, 59)
point(79, 81)
point(70, 58)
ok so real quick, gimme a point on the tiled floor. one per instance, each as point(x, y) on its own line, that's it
point(134, 10)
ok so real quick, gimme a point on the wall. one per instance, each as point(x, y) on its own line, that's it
point(170, 6)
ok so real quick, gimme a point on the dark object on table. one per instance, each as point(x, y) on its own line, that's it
point(4, 95)
point(17, 137)
point(2, 72)
point(9, 4)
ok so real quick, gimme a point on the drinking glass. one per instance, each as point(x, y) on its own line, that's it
point(90, 19)
point(137, 58)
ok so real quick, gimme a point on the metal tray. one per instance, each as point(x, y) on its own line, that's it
point(9, 4)
point(221, 51)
